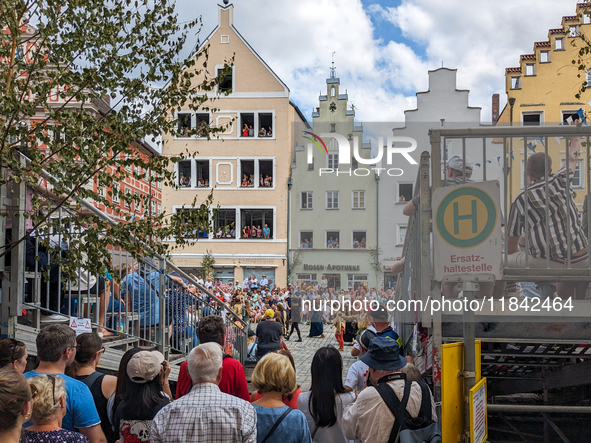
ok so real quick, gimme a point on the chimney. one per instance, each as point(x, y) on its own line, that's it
point(226, 12)
point(495, 108)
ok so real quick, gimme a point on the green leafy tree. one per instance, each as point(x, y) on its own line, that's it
point(207, 266)
point(88, 82)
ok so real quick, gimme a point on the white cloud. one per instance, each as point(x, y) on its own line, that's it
point(479, 38)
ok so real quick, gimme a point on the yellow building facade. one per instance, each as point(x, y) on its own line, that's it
point(542, 91)
point(247, 167)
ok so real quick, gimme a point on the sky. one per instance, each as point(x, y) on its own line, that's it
point(384, 49)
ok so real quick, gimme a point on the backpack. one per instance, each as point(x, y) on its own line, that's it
point(406, 429)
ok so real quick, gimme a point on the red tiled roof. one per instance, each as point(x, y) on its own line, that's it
point(556, 31)
point(528, 56)
point(513, 70)
point(570, 18)
point(542, 44)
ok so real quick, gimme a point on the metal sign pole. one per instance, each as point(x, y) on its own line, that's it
point(469, 372)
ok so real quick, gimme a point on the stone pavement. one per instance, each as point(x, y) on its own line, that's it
point(304, 352)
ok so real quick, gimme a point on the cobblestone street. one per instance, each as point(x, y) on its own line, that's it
point(304, 352)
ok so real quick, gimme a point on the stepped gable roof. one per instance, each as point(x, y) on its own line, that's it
point(542, 44)
point(528, 57)
point(556, 31)
point(513, 70)
point(570, 18)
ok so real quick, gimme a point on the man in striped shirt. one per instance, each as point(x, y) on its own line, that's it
point(558, 202)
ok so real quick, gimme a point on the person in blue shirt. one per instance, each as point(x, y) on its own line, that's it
point(56, 349)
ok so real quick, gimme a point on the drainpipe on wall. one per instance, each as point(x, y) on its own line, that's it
point(289, 184)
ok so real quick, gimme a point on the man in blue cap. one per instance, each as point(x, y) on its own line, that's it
point(369, 419)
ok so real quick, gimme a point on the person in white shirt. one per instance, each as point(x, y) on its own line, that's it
point(209, 284)
point(264, 281)
point(246, 283)
point(357, 374)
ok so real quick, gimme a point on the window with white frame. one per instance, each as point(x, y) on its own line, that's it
point(128, 166)
point(586, 19)
point(100, 190)
point(259, 221)
point(333, 161)
point(306, 279)
point(202, 124)
point(152, 207)
point(225, 224)
point(159, 209)
point(127, 201)
point(307, 200)
point(115, 191)
point(405, 192)
point(358, 200)
point(559, 44)
point(356, 281)
point(332, 200)
point(578, 178)
point(515, 82)
point(544, 56)
point(570, 117)
point(359, 239)
point(185, 123)
point(401, 234)
point(532, 119)
point(225, 85)
point(530, 69)
point(311, 165)
point(588, 77)
point(138, 202)
point(333, 239)
point(185, 174)
point(306, 239)
point(202, 167)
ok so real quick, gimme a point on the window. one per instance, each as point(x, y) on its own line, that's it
point(152, 207)
point(225, 224)
point(306, 239)
point(138, 204)
point(532, 119)
point(127, 157)
point(159, 209)
point(358, 199)
point(333, 161)
point(306, 279)
point(356, 281)
point(193, 223)
point(256, 125)
point(225, 39)
point(515, 82)
point(247, 171)
point(332, 200)
point(185, 176)
point(333, 239)
point(544, 56)
point(586, 19)
point(311, 165)
point(265, 174)
point(588, 77)
point(401, 235)
point(530, 69)
point(225, 85)
point(127, 201)
point(202, 173)
point(185, 124)
point(307, 200)
point(359, 239)
point(570, 117)
point(247, 125)
point(202, 124)
point(578, 179)
point(100, 190)
point(573, 31)
point(333, 127)
point(115, 192)
point(259, 219)
point(404, 192)
point(265, 124)
point(559, 44)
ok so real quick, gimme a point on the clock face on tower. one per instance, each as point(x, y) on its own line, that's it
point(332, 107)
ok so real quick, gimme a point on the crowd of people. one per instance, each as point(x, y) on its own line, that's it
point(65, 398)
point(256, 231)
point(265, 181)
point(185, 182)
point(248, 131)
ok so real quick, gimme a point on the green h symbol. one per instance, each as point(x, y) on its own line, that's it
point(472, 216)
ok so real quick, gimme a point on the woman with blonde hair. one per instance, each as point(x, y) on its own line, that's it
point(49, 408)
point(15, 404)
point(274, 377)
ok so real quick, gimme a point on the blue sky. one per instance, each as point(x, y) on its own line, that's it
point(384, 49)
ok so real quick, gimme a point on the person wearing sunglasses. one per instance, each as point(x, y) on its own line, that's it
point(13, 354)
point(56, 350)
point(102, 387)
point(15, 404)
point(49, 408)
